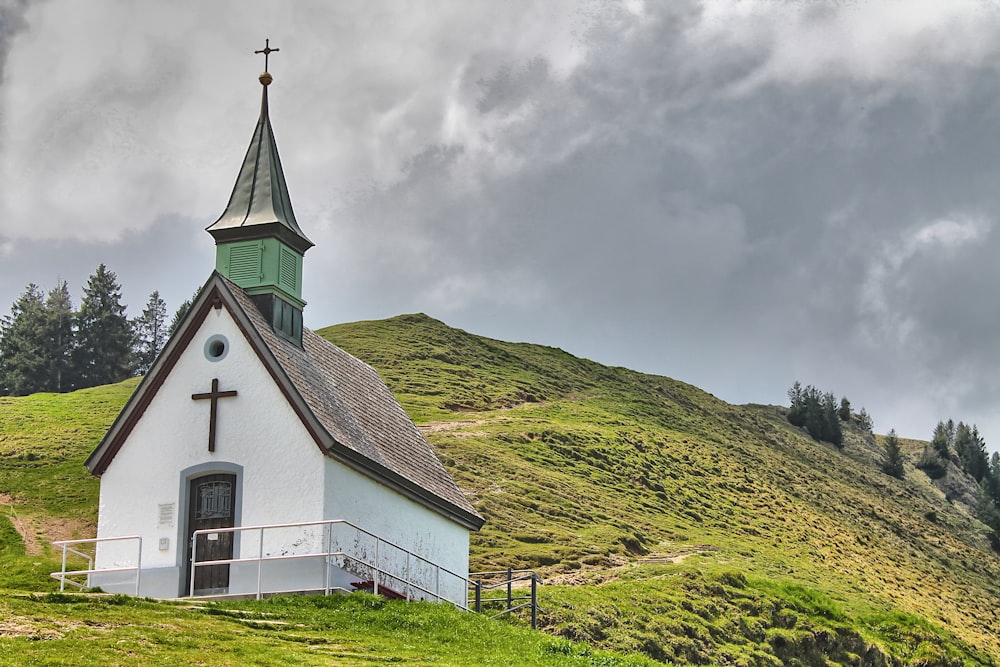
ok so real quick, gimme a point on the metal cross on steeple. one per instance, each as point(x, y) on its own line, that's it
point(267, 50)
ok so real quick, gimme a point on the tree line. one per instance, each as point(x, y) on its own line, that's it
point(962, 445)
point(820, 414)
point(46, 345)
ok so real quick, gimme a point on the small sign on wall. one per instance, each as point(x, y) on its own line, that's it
point(166, 515)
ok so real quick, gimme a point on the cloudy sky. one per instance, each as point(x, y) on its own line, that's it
point(734, 194)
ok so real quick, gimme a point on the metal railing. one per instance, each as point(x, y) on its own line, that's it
point(360, 564)
point(63, 575)
point(481, 582)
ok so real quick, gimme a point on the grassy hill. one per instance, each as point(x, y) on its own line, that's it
point(665, 521)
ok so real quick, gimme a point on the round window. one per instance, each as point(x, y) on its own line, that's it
point(216, 348)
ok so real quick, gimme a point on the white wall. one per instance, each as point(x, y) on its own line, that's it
point(282, 478)
point(393, 517)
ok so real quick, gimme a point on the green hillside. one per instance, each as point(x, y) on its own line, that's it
point(665, 521)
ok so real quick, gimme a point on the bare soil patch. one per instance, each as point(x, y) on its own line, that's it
point(677, 556)
point(38, 532)
point(438, 427)
point(616, 565)
point(23, 627)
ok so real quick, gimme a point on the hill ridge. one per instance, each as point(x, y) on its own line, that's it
point(583, 470)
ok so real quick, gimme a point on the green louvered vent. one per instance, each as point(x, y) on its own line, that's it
point(244, 264)
point(287, 269)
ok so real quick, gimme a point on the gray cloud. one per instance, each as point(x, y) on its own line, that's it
point(736, 195)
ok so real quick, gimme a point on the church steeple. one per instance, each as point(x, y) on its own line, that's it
point(259, 244)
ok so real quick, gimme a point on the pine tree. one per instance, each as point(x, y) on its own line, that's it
point(815, 418)
point(180, 313)
point(942, 439)
point(971, 450)
point(22, 347)
point(893, 456)
point(150, 332)
point(845, 410)
point(991, 481)
point(59, 338)
point(831, 431)
point(865, 420)
point(104, 336)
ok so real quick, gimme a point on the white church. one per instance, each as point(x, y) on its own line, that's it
point(255, 457)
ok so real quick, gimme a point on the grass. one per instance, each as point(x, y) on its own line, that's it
point(42, 438)
point(57, 629)
point(664, 520)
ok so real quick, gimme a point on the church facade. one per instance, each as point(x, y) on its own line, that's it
point(256, 446)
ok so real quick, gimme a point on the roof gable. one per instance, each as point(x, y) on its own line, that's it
point(348, 410)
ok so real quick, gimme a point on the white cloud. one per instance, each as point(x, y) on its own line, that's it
point(885, 322)
point(889, 42)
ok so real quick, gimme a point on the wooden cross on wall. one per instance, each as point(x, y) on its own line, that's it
point(214, 397)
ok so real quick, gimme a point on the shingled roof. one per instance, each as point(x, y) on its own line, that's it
point(344, 404)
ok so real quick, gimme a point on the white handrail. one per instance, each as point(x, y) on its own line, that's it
point(63, 574)
point(376, 566)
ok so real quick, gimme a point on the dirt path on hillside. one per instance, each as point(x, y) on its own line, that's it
point(442, 427)
point(38, 532)
point(618, 564)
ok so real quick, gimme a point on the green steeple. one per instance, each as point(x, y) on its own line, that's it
point(259, 245)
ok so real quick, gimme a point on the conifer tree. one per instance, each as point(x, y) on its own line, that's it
point(797, 411)
point(150, 332)
point(104, 336)
point(180, 313)
point(830, 429)
point(991, 482)
point(865, 420)
point(845, 410)
point(893, 456)
point(942, 439)
point(971, 450)
point(22, 348)
point(59, 338)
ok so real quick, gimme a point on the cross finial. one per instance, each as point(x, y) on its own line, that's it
point(267, 50)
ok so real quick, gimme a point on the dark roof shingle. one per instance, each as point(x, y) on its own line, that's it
point(356, 408)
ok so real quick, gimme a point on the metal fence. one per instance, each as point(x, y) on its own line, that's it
point(385, 567)
point(482, 583)
point(65, 576)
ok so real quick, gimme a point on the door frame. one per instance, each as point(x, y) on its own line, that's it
point(183, 513)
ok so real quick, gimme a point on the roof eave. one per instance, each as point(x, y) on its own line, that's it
point(398, 483)
point(143, 395)
point(273, 229)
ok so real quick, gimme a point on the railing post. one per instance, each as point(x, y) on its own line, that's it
point(378, 567)
point(138, 569)
point(534, 602)
point(194, 559)
point(510, 582)
point(479, 596)
point(437, 582)
point(406, 590)
point(62, 579)
point(326, 558)
point(260, 560)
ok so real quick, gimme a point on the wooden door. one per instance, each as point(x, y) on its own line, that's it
point(211, 503)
